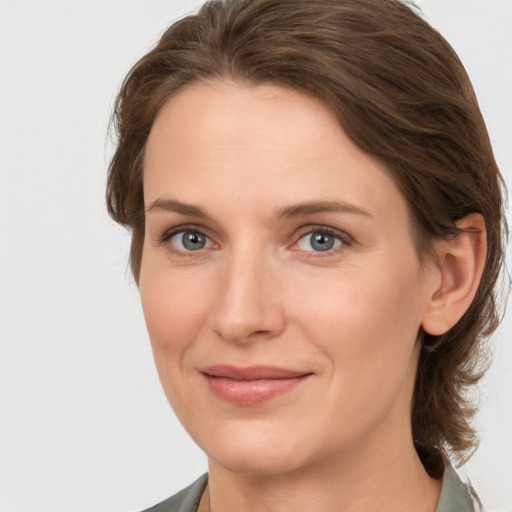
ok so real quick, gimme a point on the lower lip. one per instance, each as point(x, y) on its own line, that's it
point(252, 392)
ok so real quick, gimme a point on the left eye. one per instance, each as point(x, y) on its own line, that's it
point(190, 241)
point(319, 242)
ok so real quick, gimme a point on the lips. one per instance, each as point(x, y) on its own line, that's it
point(251, 385)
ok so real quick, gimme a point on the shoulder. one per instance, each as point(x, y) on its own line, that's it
point(457, 496)
point(187, 500)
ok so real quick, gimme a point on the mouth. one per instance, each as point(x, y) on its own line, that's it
point(251, 385)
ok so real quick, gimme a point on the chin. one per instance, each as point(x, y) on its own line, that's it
point(253, 451)
point(257, 462)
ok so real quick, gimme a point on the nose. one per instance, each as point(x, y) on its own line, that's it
point(248, 306)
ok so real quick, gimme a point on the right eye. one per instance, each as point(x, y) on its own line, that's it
point(189, 240)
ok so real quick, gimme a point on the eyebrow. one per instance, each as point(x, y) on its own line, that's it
point(312, 207)
point(288, 212)
point(172, 205)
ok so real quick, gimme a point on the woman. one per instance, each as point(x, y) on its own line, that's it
point(317, 226)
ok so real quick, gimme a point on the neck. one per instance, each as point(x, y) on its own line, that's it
point(375, 480)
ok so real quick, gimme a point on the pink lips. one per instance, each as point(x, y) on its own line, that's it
point(251, 385)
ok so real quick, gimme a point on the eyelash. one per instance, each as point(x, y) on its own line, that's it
point(345, 239)
point(167, 236)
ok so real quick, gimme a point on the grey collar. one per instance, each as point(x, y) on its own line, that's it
point(456, 496)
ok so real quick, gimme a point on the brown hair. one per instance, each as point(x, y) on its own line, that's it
point(401, 94)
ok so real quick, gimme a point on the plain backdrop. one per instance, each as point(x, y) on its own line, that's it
point(84, 425)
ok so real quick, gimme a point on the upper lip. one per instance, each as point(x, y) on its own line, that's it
point(258, 372)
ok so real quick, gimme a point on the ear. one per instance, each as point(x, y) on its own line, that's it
point(461, 263)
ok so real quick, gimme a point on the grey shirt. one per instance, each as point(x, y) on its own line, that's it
point(455, 496)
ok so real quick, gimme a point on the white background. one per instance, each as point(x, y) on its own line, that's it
point(84, 425)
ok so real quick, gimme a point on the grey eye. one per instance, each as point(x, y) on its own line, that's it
point(318, 242)
point(189, 240)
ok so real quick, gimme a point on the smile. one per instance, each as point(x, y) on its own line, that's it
point(251, 385)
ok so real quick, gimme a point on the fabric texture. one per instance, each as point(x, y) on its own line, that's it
point(187, 500)
point(455, 496)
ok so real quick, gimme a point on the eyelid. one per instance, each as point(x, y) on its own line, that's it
point(343, 236)
point(170, 232)
point(165, 238)
point(346, 239)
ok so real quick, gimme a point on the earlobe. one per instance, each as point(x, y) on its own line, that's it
point(461, 264)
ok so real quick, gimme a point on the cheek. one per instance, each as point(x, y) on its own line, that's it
point(362, 300)
point(366, 321)
point(175, 312)
point(174, 309)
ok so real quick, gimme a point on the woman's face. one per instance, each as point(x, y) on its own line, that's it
point(280, 284)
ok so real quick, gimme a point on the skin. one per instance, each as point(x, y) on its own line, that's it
point(258, 293)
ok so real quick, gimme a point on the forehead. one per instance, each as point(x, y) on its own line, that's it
point(270, 145)
point(232, 114)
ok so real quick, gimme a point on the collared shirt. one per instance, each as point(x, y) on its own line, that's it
point(455, 496)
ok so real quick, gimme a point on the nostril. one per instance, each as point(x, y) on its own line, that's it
point(243, 313)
